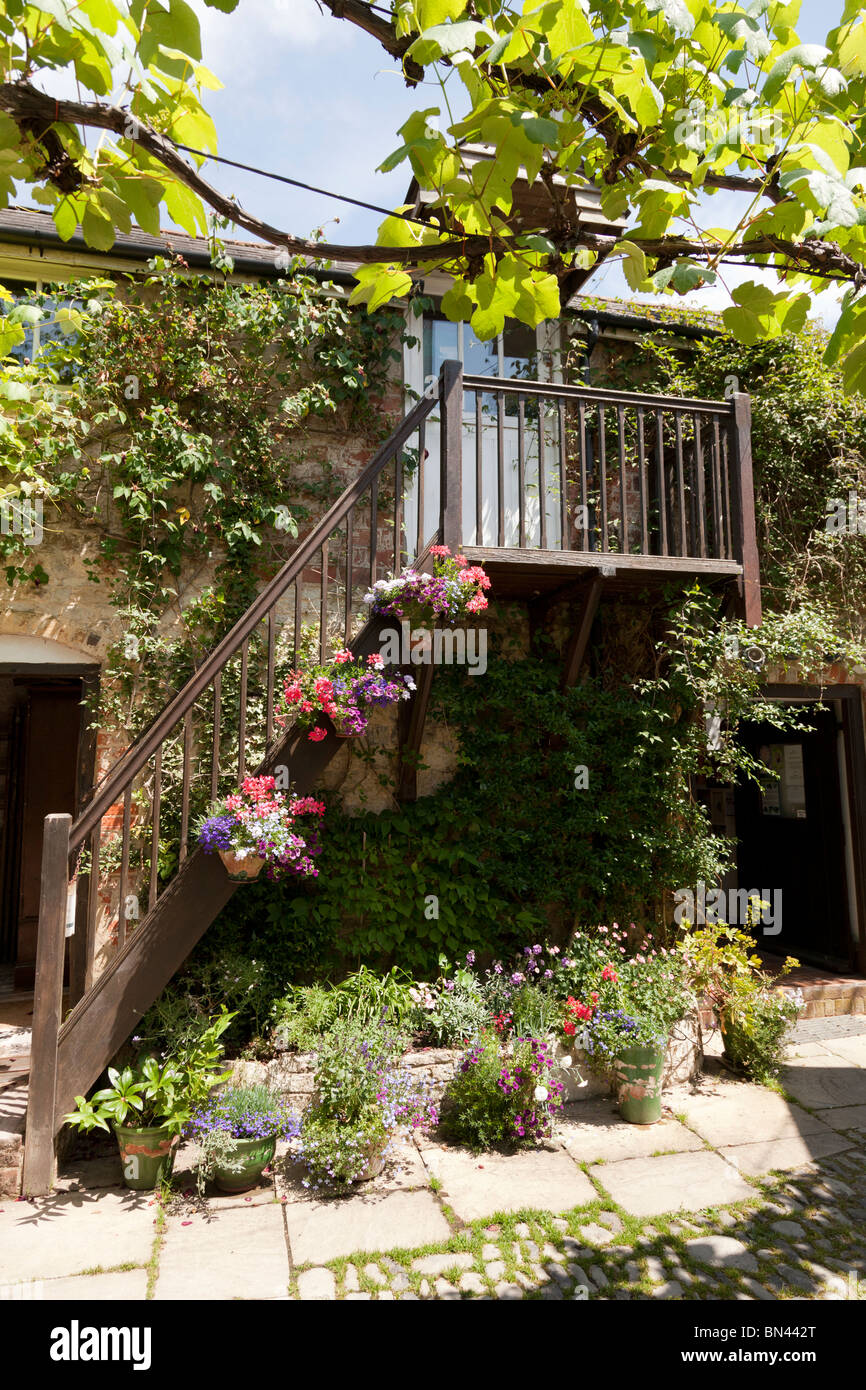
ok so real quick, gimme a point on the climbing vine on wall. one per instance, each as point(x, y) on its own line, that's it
point(178, 423)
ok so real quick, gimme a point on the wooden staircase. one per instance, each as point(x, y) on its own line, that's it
point(671, 495)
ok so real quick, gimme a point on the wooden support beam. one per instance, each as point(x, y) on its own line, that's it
point(451, 455)
point(745, 533)
point(47, 1007)
point(541, 607)
point(410, 744)
point(575, 649)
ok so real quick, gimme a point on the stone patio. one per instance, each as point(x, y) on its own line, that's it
point(740, 1193)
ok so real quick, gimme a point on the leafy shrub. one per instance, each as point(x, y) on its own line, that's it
point(754, 1024)
point(535, 1012)
point(306, 1013)
point(502, 1093)
point(460, 1013)
point(362, 1099)
point(159, 1092)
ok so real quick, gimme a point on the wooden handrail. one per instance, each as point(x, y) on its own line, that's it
point(139, 753)
point(593, 394)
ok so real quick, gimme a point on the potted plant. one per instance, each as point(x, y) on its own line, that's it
point(624, 1022)
point(503, 1092)
point(751, 1013)
point(345, 690)
point(237, 1132)
point(259, 827)
point(363, 1101)
point(754, 1024)
point(148, 1105)
point(453, 593)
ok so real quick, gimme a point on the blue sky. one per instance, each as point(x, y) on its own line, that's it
point(312, 97)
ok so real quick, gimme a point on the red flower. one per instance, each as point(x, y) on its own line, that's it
point(608, 973)
point(568, 1028)
point(317, 735)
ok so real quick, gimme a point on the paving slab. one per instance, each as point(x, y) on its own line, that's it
point(765, 1155)
point(322, 1231)
point(239, 1252)
point(74, 1232)
point(605, 1138)
point(807, 1049)
point(821, 1082)
point(477, 1186)
point(845, 1117)
point(126, 1286)
point(674, 1182)
point(87, 1174)
point(852, 1049)
point(736, 1112)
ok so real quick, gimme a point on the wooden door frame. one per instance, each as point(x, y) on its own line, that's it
point(850, 698)
point(88, 675)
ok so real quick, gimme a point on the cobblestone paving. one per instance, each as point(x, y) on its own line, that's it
point(800, 1238)
point(839, 1026)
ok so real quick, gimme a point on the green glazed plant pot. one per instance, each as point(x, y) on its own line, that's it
point(638, 1074)
point(251, 1157)
point(146, 1155)
point(241, 870)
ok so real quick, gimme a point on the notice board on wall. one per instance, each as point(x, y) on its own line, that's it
point(784, 793)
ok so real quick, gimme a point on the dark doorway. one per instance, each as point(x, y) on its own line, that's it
point(791, 837)
point(42, 721)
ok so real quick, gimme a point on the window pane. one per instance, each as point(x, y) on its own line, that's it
point(440, 344)
point(479, 359)
point(520, 351)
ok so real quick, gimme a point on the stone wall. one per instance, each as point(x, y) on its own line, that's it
point(291, 1074)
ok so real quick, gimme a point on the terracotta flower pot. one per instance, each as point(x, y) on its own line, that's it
point(241, 869)
point(342, 729)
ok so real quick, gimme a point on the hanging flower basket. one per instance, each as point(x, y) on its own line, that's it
point(453, 594)
point(345, 691)
point(259, 828)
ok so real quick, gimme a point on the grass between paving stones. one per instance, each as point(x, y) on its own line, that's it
point(152, 1266)
point(521, 1239)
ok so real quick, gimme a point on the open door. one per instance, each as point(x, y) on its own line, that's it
point(792, 838)
point(43, 731)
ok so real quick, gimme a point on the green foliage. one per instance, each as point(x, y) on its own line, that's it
point(145, 58)
point(809, 454)
point(461, 1011)
point(158, 1092)
point(754, 1017)
point(208, 981)
point(306, 1013)
point(655, 104)
point(754, 1026)
point(362, 1098)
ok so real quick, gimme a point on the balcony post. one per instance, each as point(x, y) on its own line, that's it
point(451, 455)
point(47, 1007)
point(745, 533)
